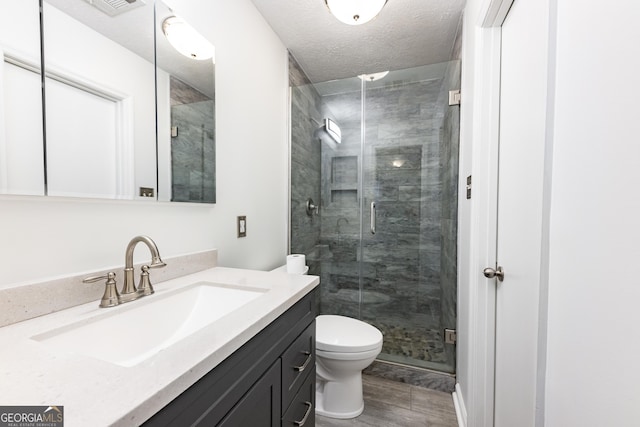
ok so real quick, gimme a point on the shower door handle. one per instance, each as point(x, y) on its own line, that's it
point(373, 217)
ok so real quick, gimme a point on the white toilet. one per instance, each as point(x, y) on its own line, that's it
point(344, 347)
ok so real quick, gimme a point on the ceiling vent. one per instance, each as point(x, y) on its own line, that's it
point(116, 7)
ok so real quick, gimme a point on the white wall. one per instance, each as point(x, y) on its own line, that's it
point(46, 237)
point(463, 346)
point(593, 375)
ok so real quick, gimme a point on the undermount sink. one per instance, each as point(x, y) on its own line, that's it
point(131, 334)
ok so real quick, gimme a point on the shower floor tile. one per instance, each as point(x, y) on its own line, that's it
point(412, 342)
point(393, 404)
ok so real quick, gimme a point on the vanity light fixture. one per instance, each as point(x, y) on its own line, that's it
point(355, 12)
point(333, 130)
point(186, 40)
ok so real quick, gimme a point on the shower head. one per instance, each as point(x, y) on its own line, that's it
point(333, 130)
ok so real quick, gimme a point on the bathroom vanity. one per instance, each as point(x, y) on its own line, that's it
point(269, 381)
point(193, 353)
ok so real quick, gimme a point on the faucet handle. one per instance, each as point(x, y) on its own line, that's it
point(109, 276)
point(145, 287)
point(110, 297)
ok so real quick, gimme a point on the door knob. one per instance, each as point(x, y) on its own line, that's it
point(490, 273)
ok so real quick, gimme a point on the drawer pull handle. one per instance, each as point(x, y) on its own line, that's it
point(306, 362)
point(306, 415)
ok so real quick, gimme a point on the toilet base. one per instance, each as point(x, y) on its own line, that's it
point(338, 415)
point(344, 397)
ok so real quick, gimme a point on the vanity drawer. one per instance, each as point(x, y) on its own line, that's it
point(302, 411)
point(297, 362)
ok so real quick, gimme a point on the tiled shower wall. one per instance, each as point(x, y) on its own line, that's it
point(307, 142)
point(193, 177)
point(410, 171)
point(306, 117)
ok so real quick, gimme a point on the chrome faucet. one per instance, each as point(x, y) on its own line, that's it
point(129, 291)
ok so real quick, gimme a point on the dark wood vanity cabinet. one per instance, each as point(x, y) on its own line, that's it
point(269, 381)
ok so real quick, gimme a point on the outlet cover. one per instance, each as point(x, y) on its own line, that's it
point(146, 192)
point(242, 226)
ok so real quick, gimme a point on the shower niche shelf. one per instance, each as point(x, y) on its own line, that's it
point(344, 179)
point(344, 196)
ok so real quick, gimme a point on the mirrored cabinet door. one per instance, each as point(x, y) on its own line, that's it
point(124, 107)
point(99, 98)
point(186, 111)
point(21, 135)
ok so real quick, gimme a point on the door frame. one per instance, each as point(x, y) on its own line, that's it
point(475, 401)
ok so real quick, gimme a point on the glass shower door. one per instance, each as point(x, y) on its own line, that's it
point(409, 187)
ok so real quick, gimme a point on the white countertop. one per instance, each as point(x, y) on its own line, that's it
point(97, 393)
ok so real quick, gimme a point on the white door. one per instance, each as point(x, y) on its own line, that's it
point(523, 92)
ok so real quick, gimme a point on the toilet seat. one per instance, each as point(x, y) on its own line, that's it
point(339, 334)
point(339, 355)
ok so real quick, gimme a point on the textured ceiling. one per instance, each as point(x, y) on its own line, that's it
point(407, 33)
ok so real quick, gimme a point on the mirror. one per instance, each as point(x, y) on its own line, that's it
point(99, 98)
point(97, 137)
point(21, 135)
point(186, 112)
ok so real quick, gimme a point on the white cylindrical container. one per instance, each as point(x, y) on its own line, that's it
point(296, 264)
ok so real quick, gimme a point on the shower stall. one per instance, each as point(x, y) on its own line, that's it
point(375, 213)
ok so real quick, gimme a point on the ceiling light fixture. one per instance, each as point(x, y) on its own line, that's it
point(186, 40)
point(355, 12)
point(373, 77)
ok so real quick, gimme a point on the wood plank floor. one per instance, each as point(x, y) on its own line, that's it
point(393, 404)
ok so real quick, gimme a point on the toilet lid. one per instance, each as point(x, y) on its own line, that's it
point(345, 334)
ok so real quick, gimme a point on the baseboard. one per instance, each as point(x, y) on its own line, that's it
point(461, 410)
